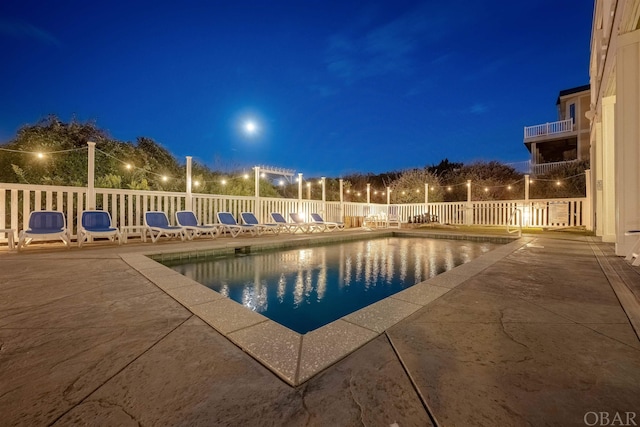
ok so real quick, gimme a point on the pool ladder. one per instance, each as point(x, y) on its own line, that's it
point(514, 213)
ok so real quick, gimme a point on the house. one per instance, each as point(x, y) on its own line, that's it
point(565, 140)
point(614, 72)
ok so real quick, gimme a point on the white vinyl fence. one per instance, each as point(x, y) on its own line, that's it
point(127, 208)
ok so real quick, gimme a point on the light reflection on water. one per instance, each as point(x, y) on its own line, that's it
point(305, 289)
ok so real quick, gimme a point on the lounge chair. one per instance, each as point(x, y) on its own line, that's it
point(282, 223)
point(306, 227)
point(229, 223)
point(157, 224)
point(328, 225)
point(192, 227)
point(95, 224)
point(45, 225)
point(249, 218)
point(393, 219)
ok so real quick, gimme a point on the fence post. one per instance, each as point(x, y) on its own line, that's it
point(323, 180)
point(468, 212)
point(256, 190)
point(426, 197)
point(91, 176)
point(341, 200)
point(588, 216)
point(188, 203)
point(526, 209)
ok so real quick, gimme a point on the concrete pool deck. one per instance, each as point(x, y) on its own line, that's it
point(535, 335)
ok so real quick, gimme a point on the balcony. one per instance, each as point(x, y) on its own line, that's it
point(548, 129)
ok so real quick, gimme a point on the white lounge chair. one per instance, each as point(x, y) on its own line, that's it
point(393, 219)
point(249, 218)
point(229, 223)
point(192, 227)
point(97, 224)
point(306, 227)
point(634, 253)
point(328, 225)
point(45, 225)
point(282, 223)
point(157, 224)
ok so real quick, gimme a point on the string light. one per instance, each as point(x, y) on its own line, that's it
point(165, 178)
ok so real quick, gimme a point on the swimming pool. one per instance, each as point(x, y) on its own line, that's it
point(308, 287)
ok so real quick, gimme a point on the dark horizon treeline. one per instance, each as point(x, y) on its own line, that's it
point(143, 165)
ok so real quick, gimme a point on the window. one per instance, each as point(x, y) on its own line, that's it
point(572, 112)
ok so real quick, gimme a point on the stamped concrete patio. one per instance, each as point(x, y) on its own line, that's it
point(540, 335)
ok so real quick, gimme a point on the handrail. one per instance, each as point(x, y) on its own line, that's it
point(552, 128)
point(513, 212)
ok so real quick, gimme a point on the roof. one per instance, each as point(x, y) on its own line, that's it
point(573, 90)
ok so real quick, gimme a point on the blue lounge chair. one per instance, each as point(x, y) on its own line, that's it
point(305, 227)
point(192, 227)
point(157, 224)
point(45, 225)
point(328, 225)
point(282, 223)
point(229, 223)
point(95, 224)
point(250, 219)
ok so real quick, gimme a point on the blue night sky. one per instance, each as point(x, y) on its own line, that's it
point(335, 87)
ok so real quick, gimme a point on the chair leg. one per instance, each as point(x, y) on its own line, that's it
point(633, 253)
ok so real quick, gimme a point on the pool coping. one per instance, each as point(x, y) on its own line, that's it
point(294, 357)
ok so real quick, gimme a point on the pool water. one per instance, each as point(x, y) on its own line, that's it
point(308, 287)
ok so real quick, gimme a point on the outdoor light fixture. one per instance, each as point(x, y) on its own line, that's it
point(196, 183)
point(508, 187)
point(448, 188)
point(486, 189)
point(246, 176)
point(165, 179)
point(128, 166)
point(40, 155)
point(224, 182)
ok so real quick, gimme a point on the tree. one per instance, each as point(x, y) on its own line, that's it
point(489, 181)
point(140, 166)
point(444, 168)
point(563, 181)
point(409, 187)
